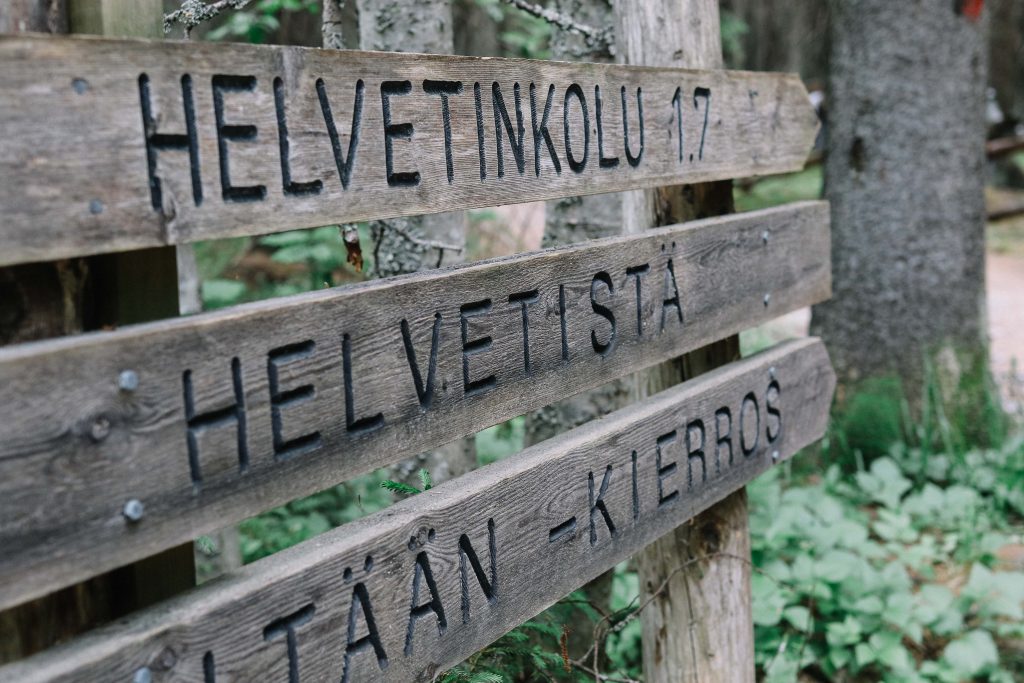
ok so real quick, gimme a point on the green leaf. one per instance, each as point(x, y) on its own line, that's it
point(972, 654)
point(425, 479)
point(799, 616)
point(219, 293)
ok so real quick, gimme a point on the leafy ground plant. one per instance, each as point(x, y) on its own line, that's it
point(891, 574)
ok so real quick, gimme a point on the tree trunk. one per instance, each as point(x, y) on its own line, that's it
point(698, 625)
point(1006, 57)
point(407, 245)
point(905, 175)
point(578, 219)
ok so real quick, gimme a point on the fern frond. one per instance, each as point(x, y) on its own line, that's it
point(425, 479)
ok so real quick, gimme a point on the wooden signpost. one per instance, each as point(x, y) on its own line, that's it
point(117, 445)
point(210, 419)
point(410, 591)
point(166, 142)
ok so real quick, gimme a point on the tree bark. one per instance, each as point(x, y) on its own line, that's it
point(905, 175)
point(407, 245)
point(578, 219)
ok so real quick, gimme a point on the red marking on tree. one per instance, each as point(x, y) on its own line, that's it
point(971, 8)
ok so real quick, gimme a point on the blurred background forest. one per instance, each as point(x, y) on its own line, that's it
point(892, 552)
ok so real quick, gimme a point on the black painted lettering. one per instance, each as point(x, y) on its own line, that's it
point(597, 504)
point(704, 93)
point(279, 400)
point(424, 392)
point(233, 132)
point(541, 132)
point(636, 487)
point(343, 162)
point(677, 102)
point(562, 323)
point(606, 347)
point(467, 554)
point(209, 668)
point(773, 395)
point(638, 272)
point(576, 91)
point(750, 400)
point(665, 471)
point(352, 424)
point(444, 90)
point(633, 161)
point(723, 437)
point(517, 137)
point(421, 572)
point(479, 104)
point(354, 646)
point(524, 299)
point(473, 347)
point(290, 186)
point(156, 142)
point(671, 286)
point(401, 131)
point(566, 528)
point(287, 626)
point(197, 424)
point(602, 160)
point(695, 453)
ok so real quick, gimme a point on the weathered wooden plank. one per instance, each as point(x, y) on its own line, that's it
point(405, 593)
point(238, 411)
point(115, 144)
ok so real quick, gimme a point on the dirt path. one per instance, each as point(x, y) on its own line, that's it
point(1005, 272)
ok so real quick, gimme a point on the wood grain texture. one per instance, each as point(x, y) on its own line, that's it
point(79, 164)
point(412, 590)
point(699, 624)
point(74, 447)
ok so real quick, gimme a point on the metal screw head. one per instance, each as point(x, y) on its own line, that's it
point(765, 236)
point(775, 456)
point(771, 372)
point(128, 380)
point(143, 675)
point(133, 510)
point(767, 298)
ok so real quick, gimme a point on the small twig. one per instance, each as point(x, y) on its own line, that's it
point(195, 12)
point(430, 244)
point(594, 37)
point(603, 677)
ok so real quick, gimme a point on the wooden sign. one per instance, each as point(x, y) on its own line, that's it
point(115, 144)
point(207, 420)
point(406, 593)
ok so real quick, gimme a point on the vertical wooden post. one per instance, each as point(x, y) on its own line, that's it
point(699, 627)
point(73, 295)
